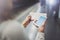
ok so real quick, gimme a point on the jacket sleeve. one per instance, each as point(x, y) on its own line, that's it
point(14, 31)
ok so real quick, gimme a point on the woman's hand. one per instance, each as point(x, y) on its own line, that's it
point(42, 28)
point(27, 21)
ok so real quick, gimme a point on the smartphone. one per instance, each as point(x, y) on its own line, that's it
point(40, 21)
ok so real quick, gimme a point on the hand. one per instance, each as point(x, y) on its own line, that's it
point(42, 28)
point(27, 21)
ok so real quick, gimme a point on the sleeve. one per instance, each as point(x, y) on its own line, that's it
point(14, 31)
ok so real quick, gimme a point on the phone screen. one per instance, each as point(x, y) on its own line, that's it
point(41, 20)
